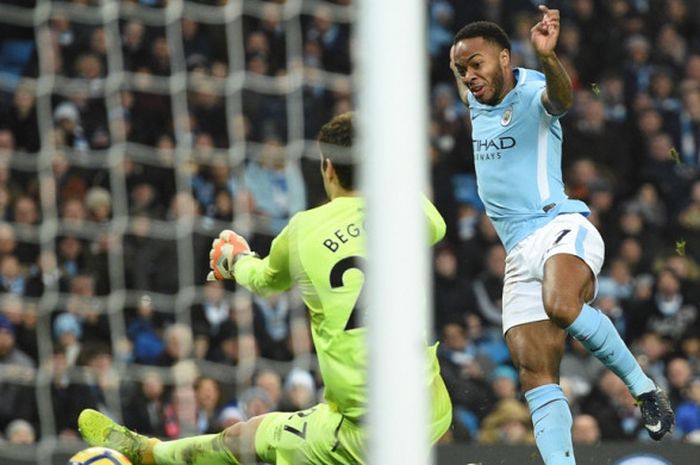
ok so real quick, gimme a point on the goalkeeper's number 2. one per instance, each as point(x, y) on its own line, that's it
point(336, 281)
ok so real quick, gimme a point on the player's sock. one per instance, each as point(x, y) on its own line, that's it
point(551, 418)
point(598, 334)
point(208, 449)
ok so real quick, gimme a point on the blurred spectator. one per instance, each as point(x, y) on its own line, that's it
point(509, 423)
point(83, 304)
point(679, 373)
point(100, 377)
point(67, 331)
point(271, 382)
point(208, 395)
point(595, 138)
point(277, 191)
point(178, 345)
point(181, 413)
point(22, 119)
point(688, 413)
point(11, 277)
point(271, 326)
point(613, 408)
point(68, 397)
point(46, 276)
point(585, 430)
point(22, 314)
point(505, 382)
point(299, 391)
point(254, 401)
point(617, 281)
point(452, 294)
point(487, 287)
point(333, 38)
point(229, 416)
point(689, 219)
point(208, 316)
point(580, 369)
point(16, 380)
point(20, 432)
point(464, 374)
point(145, 410)
point(144, 332)
point(668, 313)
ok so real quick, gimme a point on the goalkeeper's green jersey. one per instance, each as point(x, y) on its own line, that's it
point(322, 250)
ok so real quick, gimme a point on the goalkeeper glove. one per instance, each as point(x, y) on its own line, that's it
point(225, 250)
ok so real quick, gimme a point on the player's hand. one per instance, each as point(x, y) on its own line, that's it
point(545, 33)
point(461, 86)
point(224, 251)
point(453, 67)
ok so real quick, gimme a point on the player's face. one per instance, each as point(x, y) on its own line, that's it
point(482, 66)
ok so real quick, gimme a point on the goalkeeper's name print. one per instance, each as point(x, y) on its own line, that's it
point(342, 236)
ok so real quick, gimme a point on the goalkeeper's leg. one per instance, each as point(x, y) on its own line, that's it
point(233, 446)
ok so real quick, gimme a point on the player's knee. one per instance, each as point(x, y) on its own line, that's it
point(560, 309)
point(239, 438)
point(536, 375)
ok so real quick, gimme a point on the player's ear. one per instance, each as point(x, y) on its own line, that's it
point(328, 168)
point(504, 57)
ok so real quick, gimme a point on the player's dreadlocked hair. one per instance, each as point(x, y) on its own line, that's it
point(336, 141)
point(491, 32)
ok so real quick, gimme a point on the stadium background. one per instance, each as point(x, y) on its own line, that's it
point(132, 132)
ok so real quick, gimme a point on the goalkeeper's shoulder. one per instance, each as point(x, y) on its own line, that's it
point(310, 214)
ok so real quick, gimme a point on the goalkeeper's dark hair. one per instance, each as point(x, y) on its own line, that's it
point(491, 32)
point(336, 139)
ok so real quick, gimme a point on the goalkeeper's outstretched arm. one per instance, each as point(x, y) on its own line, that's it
point(231, 258)
point(268, 275)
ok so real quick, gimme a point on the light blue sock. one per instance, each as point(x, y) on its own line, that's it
point(599, 336)
point(551, 418)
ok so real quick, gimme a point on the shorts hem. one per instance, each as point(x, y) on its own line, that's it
point(522, 321)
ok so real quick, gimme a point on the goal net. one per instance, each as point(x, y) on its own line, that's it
point(135, 131)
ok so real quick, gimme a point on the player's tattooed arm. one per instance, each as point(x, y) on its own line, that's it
point(559, 95)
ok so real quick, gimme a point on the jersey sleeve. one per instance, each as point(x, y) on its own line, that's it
point(267, 275)
point(436, 223)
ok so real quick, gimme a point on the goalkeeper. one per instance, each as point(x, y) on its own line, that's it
point(322, 251)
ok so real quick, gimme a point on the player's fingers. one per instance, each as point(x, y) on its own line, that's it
point(539, 27)
point(553, 14)
point(553, 20)
point(543, 9)
point(223, 235)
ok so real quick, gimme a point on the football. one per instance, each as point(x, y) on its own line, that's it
point(98, 456)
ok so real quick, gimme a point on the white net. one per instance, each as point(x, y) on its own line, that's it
point(139, 131)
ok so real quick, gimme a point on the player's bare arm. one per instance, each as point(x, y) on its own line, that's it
point(559, 95)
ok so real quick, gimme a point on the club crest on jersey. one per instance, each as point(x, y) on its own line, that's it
point(507, 116)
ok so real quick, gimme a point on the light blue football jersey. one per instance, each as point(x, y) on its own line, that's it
point(517, 156)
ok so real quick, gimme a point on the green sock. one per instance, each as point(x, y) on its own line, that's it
point(208, 449)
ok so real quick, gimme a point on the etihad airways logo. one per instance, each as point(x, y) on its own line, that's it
point(490, 149)
point(500, 143)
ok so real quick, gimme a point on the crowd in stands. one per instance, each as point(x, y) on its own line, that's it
point(185, 356)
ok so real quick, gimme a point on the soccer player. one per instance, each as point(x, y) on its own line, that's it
point(322, 250)
point(554, 252)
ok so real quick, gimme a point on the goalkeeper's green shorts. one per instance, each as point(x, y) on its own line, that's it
point(322, 436)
